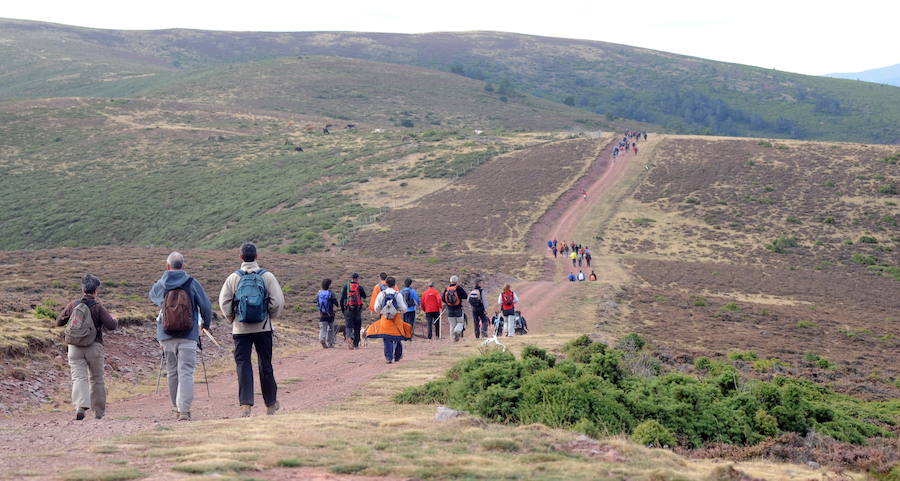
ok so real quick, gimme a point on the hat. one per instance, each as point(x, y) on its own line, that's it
point(354, 276)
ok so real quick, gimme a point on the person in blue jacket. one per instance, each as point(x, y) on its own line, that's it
point(412, 303)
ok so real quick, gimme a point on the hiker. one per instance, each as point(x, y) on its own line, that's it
point(584, 194)
point(184, 306)
point(549, 244)
point(580, 257)
point(250, 299)
point(412, 302)
point(326, 302)
point(593, 276)
point(375, 291)
point(554, 242)
point(553, 249)
point(571, 277)
point(431, 306)
point(580, 275)
point(453, 296)
point(390, 326)
point(508, 300)
point(635, 148)
point(352, 296)
point(573, 256)
point(84, 320)
point(587, 257)
point(479, 314)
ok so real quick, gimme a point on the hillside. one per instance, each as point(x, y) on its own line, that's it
point(686, 94)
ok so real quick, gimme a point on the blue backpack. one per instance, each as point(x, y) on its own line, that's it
point(250, 298)
point(323, 300)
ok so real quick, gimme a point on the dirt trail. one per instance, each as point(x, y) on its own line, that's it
point(41, 444)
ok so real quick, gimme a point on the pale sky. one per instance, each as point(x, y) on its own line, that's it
point(811, 37)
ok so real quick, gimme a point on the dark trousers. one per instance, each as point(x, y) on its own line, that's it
point(393, 349)
point(410, 318)
point(480, 320)
point(433, 319)
point(353, 321)
point(243, 345)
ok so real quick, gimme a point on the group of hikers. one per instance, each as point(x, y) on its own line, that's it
point(579, 255)
point(394, 309)
point(251, 298)
point(629, 142)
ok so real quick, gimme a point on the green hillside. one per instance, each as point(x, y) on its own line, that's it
point(82, 172)
point(682, 93)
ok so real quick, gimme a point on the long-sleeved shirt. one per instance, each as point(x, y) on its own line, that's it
point(413, 296)
point(515, 300)
point(202, 308)
point(99, 314)
point(345, 293)
point(379, 301)
point(273, 289)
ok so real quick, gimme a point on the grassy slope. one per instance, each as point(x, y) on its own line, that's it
point(374, 92)
point(684, 93)
point(99, 172)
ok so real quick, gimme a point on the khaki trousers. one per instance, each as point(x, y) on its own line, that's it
point(88, 388)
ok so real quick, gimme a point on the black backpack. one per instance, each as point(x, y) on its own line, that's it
point(407, 297)
point(475, 300)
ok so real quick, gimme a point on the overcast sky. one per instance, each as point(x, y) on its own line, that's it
point(811, 37)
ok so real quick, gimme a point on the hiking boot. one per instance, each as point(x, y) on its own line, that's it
point(245, 410)
point(98, 415)
point(271, 410)
point(350, 343)
point(324, 345)
point(185, 416)
point(79, 413)
point(389, 361)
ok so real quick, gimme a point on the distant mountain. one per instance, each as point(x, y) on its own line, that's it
point(680, 93)
point(884, 75)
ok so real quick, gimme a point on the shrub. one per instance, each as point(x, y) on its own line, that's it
point(631, 342)
point(699, 301)
point(864, 259)
point(408, 123)
point(780, 244)
point(867, 239)
point(651, 433)
point(742, 356)
point(765, 423)
point(432, 392)
point(805, 324)
point(766, 365)
point(888, 189)
point(582, 348)
point(535, 352)
point(643, 221)
point(43, 312)
point(504, 445)
point(792, 220)
point(731, 307)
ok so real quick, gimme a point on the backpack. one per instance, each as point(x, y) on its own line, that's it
point(250, 297)
point(323, 301)
point(390, 307)
point(354, 301)
point(178, 310)
point(81, 330)
point(508, 299)
point(407, 296)
point(475, 300)
point(451, 297)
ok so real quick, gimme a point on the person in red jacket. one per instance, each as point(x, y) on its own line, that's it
point(431, 306)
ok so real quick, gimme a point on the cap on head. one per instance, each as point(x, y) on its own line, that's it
point(354, 276)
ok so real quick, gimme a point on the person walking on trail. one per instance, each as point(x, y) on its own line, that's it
point(553, 250)
point(580, 257)
point(375, 290)
point(326, 303)
point(411, 298)
point(479, 313)
point(580, 275)
point(390, 326)
point(571, 277)
point(587, 257)
point(549, 244)
point(251, 298)
point(184, 307)
point(584, 194)
point(593, 276)
point(85, 320)
point(634, 146)
point(555, 242)
point(352, 296)
point(507, 301)
point(573, 256)
point(453, 296)
point(431, 306)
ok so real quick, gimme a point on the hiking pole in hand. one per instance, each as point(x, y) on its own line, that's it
point(203, 363)
point(162, 358)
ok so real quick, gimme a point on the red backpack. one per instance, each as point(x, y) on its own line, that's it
point(451, 296)
point(354, 301)
point(508, 301)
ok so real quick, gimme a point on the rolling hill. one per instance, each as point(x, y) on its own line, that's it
point(685, 94)
point(884, 75)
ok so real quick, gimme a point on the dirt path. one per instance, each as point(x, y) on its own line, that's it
point(311, 380)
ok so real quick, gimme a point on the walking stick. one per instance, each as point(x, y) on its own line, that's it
point(437, 322)
point(162, 358)
point(203, 363)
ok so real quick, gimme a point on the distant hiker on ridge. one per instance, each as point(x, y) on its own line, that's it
point(84, 320)
point(184, 306)
point(250, 299)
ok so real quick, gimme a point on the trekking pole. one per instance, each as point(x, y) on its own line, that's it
point(162, 358)
point(203, 363)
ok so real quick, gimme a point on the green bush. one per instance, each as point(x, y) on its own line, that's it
point(867, 239)
point(43, 312)
point(781, 244)
point(864, 259)
point(432, 392)
point(889, 189)
point(651, 433)
point(742, 356)
point(731, 307)
point(599, 398)
point(632, 342)
point(534, 352)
